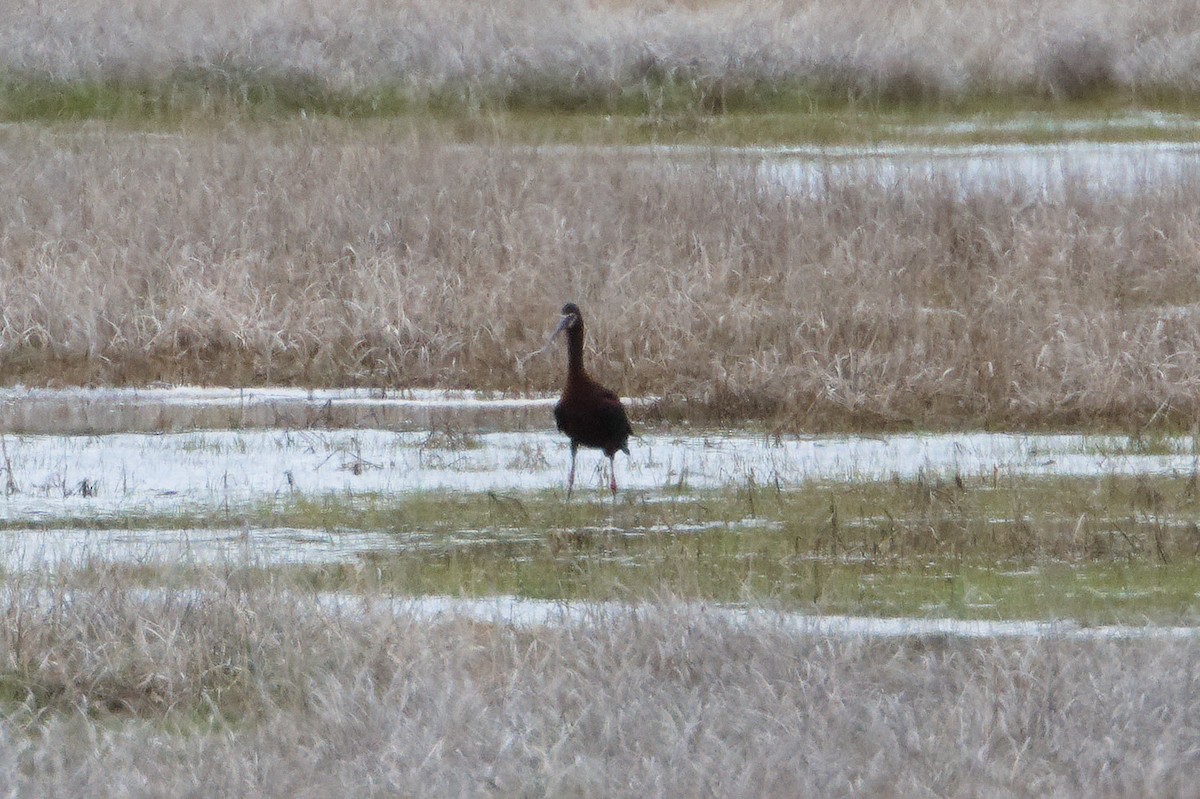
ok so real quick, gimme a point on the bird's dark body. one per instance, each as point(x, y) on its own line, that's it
point(588, 413)
point(591, 416)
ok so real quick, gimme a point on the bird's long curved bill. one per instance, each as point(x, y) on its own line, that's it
point(562, 325)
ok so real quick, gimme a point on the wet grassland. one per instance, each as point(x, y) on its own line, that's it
point(842, 245)
point(429, 598)
point(1096, 529)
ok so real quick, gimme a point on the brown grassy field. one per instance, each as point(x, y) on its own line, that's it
point(219, 250)
point(330, 254)
point(237, 691)
point(570, 53)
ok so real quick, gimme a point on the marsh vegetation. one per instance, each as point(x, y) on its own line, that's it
point(820, 578)
point(320, 254)
point(675, 63)
point(110, 689)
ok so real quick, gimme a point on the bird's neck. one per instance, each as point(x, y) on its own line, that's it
point(575, 353)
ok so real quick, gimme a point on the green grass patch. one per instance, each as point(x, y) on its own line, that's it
point(669, 110)
point(1098, 550)
point(190, 94)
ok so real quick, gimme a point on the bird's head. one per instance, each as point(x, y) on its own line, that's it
point(571, 319)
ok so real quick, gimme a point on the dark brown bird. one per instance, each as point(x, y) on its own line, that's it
point(590, 414)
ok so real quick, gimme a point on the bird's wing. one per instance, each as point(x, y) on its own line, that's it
point(559, 417)
point(613, 415)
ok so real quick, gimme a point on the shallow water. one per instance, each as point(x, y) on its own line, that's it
point(123, 473)
point(85, 476)
point(1030, 171)
point(24, 550)
point(522, 612)
point(167, 409)
point(1047, 171)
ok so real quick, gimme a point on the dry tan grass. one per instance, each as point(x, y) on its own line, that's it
point(900, 50)
point(317, 254)
point(110, 691)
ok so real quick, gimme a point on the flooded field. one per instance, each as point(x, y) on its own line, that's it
point(457, 493)
point(1036, 171)
point(353, 443)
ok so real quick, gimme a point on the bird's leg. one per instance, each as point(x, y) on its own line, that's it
point(571, 474)
point(612, 485)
